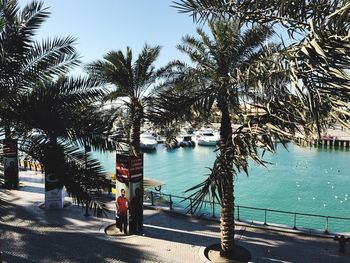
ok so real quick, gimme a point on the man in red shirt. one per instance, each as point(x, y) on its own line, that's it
point(122, 211)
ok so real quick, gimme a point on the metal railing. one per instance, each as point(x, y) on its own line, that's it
point(294, 220)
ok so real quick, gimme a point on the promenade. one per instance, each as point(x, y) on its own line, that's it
point(31, 234)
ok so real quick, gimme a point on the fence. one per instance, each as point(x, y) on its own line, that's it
point(264, 216)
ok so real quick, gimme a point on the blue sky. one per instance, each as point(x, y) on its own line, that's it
point(105, 25)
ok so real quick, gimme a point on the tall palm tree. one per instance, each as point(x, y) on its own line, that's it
point(130, 79)
point(217, 77)
point(64, 119)
point(319, 55)
point(24, 61)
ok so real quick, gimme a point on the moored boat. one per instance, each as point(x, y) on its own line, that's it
point(148, 141)
point(185, 140)
point(207, 137)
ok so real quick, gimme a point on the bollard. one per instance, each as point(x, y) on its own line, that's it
point(238, 219)
point(342, 241)
point(265, 218)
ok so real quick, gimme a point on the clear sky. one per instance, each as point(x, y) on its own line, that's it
point(105, 25)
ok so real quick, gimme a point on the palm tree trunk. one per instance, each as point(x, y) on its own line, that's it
point(136, 114)
point(227, 225)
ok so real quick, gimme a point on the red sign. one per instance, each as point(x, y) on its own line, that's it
point(129, 168)
point(9, 147)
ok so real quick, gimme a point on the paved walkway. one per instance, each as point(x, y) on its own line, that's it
point(30, 234)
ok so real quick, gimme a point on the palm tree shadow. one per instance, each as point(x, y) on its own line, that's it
point(52, 236)
point(274, 246)
point(38, 246)
point(181, 228)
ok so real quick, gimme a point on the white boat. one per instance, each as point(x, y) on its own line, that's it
point(207, 137)
point(148, 141)
point(185, 140)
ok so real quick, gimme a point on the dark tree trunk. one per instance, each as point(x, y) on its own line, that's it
point(136, 115)
point(227, 225)
point(225, 126)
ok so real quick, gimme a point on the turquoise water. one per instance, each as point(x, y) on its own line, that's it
point(304, 180)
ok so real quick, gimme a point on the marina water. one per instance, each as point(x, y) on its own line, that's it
point(299, 179)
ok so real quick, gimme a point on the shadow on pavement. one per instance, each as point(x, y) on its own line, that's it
point(49, 236)
point(273, 246)
point(56, 245)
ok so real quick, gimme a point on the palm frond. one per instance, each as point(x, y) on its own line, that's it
point(51, 57)
point(143, 69)
point(290, 14)
point(32, 16)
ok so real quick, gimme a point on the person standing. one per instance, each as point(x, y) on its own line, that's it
point(122, 212)
point(11, 174)
point(136, 211)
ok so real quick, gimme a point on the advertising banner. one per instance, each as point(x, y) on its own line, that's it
point(54, 193)
point(129, 168)
point(136, 169)
point(54, 199)
point(129, 192)
point(136, 207)
point(10, 157)
point(122, 168)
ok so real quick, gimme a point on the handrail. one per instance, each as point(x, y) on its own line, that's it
point(292, 213)
point(267, 212)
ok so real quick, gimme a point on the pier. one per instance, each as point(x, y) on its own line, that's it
point(332, 138)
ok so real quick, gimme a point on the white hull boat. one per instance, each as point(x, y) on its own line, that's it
point(185, 140)
point(148, 141)
point(207, 138)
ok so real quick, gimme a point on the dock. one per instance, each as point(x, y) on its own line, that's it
point(332, 138)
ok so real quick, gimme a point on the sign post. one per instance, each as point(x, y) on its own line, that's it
point(129, 177)
point(54, 194)
point(10, 155)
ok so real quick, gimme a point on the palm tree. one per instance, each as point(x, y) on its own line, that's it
point(319, 55)
point(131, 79)
point(64, 120)
point(24, 61)
point(217, 77)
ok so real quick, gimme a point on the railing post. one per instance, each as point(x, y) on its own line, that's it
point(170, 203)
point(191, 211)
point(295, 222)
point(265, 218)
point(213, 209)
point(152, 199)
point(238, 219)
point(326, 230)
